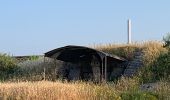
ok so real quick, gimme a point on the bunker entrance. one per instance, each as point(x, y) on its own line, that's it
point(82, 63)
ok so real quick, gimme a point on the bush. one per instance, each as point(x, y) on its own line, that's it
point(7, 66)
point(152, 53)
point(157, 70)
point(33, 58)
point(139, 96)
point(166, 40)
point(161, 68)
point(6, 62)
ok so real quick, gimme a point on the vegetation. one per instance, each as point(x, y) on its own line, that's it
point(152, 52)
point(7, 66)
point(123, 50)
point(27, 81)
point(124, 89)
point(57, 90)
point(34, 58)
point(160, 70)
point(6, 62)
point(166, 40)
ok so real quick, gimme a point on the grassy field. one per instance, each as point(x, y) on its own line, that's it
point(45, 90)
point(26, 81)
point(124, 89)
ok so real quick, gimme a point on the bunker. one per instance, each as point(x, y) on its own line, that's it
point(83, 63)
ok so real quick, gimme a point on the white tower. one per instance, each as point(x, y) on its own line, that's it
point(129, 31)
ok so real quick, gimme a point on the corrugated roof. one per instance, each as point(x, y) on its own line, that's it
point(85, 50)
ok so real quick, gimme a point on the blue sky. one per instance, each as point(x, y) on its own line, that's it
point(29, 27)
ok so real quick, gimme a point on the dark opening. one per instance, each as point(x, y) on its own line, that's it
point(81, 58)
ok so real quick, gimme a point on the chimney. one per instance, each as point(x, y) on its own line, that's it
point(129, 31)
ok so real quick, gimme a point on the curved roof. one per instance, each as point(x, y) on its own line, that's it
point(73, 53)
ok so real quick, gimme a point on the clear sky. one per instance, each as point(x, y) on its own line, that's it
point(29, 27)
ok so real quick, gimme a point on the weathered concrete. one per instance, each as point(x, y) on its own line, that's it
point(96, 74)
point(74, 74)
point(134, 65)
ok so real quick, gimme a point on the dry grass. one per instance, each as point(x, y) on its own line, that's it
point(152, 50)
point(45, 90)
point(163, 90)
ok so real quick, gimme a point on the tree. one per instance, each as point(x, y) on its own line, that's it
point(166, 40)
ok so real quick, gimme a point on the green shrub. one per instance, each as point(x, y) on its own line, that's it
point(6, 62)
point(152, 53)
point(7, 66)
point(161, 68)
point(157, 70)
point(105, 93)
point(166, 40)
point(33, 58)
point(139, 96)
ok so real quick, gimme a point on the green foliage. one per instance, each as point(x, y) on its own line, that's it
point(6, 62)
point(161, 68)
point(166, 40)
point(158, 70)
point(106, 93)
point(7, 66)
point(146, 75)
point(32, 58)
point(156, 67)
point(152, 53)
point(138, 95)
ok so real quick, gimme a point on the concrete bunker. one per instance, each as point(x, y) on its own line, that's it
point(83, 63)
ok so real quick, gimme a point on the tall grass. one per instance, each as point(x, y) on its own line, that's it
point(28, 84)
point(152, 51)
point(45, 90)
point(124, 89)
point(122, 50)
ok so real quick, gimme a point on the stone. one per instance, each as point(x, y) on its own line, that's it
point(134, 65)
point(74, 74)
point(149, 86)
point(96, 74)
